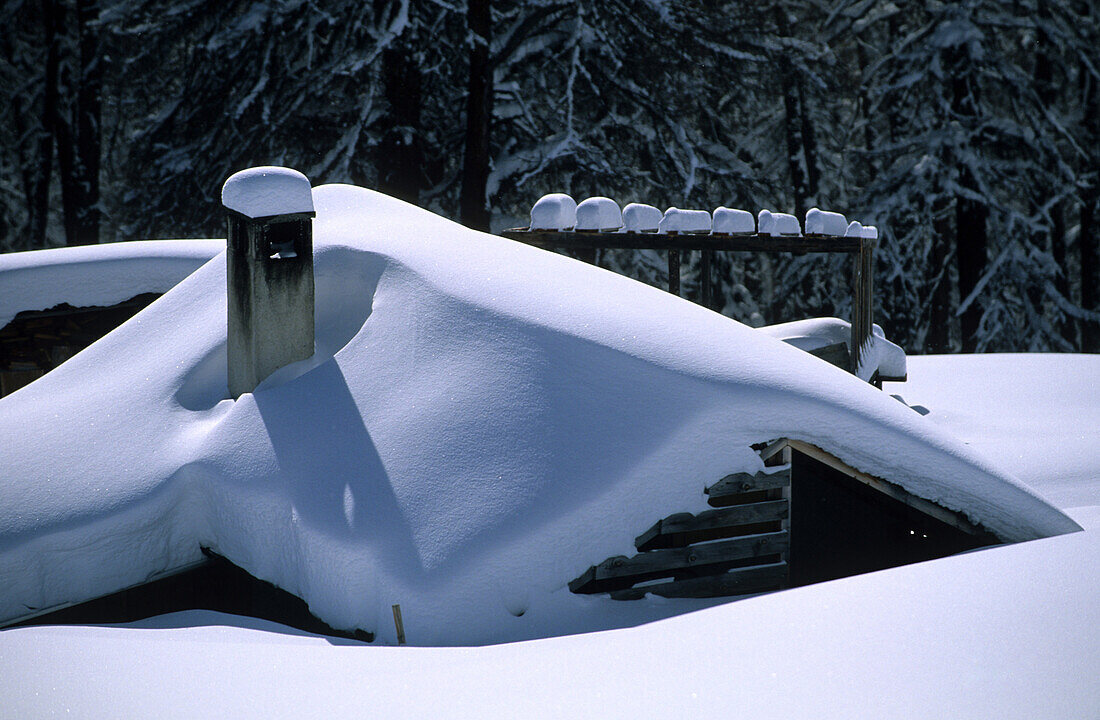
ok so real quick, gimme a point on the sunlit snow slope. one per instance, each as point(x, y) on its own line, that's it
point(481, 422)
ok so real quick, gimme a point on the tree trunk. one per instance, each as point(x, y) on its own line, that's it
point(970, 215)
point(971, 241)
point(473, 210)
point(1048, 93)
point(38, 189)
point(76, 127)
point(939, 320)
point(809, 147)
point(399, 155)
point(1088, 240)
point(88, 113)
point(793, 122)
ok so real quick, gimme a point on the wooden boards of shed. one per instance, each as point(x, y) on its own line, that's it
point(737, 549)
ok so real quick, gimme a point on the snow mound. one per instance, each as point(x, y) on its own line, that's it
point(821, 222)
point(97, 275)
point(483, 420)
point(731, 221)
point(685, 221)
point(641, 218)
point(776, 224)
point(784, 224)
point(267, 191)
point(556, 211)
point(880, 355)
point(869, 232)
point(599, 213)
point(854, 229)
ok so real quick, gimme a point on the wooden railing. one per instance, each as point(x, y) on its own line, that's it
point(862, 250)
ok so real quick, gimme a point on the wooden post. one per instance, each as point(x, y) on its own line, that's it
point(704, 280)
point(397, 623)
point(674, 272)
point(862, 279)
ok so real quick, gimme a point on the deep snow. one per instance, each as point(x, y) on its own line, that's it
point(481, 422)
point(1006, 633)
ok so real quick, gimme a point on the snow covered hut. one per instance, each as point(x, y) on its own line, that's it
point(463, 443)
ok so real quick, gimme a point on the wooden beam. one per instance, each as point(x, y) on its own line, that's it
point(674, 272)
point(705, 273)
point(621, 572)
point(739, 581)
point(835, 354)
point(684, 528)
point(862, 287)
point(571, 240)
point(739, 483)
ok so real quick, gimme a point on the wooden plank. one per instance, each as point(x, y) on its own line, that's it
point(684, 528)
point(771, 449)
point(739, 581)
point(705, 273)
point(621, 572)
point(835, 354)
point(687, 241)
point(726, 490)
point(399, 624)
point(954, 519)
point(674, 272)
point(862, 287)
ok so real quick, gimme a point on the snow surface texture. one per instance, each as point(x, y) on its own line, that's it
point(1036, 416)
point(820, 222)
point(967, 636)
point(733, 221)
point(881, 354)
point(97, 275)
point(641, 218)
point(1004, 634)
point(267, 191)
point(869, 232)
point(685, 221)
point(481, 422)
point(556, 211)
point(599, 213)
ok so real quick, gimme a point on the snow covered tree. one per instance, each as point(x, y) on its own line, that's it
point(399, 155)
point(968, 132)
point(52, 85)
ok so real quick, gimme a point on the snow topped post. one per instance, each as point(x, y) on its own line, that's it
point(269, 270)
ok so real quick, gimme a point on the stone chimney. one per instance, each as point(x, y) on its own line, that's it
point(269, 271)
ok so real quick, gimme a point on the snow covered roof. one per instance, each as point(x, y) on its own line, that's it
point(98, 275)
point(1023, 615)
point(464, 442)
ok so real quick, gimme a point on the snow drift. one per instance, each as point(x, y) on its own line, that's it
point(481, 421)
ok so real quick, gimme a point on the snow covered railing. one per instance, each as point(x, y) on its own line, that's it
point(556, 223)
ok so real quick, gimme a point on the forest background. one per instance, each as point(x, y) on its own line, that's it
point(968, 132)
